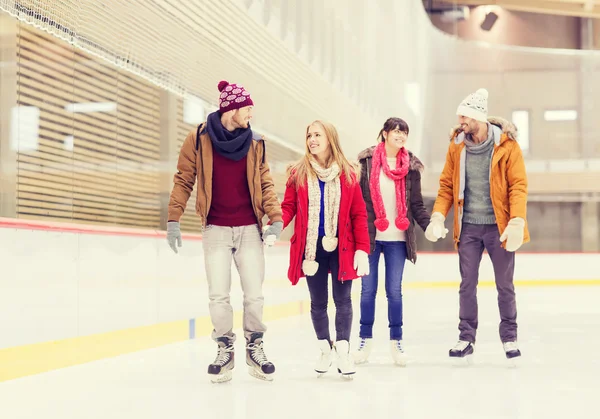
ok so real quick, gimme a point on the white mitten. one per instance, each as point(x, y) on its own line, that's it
point(269, 240)
point(513, 234)
point(361, 263)
point(271, 233)
point(436, 228)
point(310, 267)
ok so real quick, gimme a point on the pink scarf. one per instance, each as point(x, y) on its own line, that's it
point(397, 175)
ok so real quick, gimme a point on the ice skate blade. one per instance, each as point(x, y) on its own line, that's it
point(465, 361)
point(346, 376)
point(400, 362)
point(259, 374)
point(323, 370)
point(513, 362)
point(359, 358)
point(221, 378)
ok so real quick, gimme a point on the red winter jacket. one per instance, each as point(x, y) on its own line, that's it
point(352, 227)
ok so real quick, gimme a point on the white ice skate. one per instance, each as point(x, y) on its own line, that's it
point(365, 346)
point(325, 359)
point(398, 354)
point(463, 352)
point(345, 363)
point(512, 352)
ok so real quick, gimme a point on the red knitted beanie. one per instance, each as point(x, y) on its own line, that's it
point(232, 97)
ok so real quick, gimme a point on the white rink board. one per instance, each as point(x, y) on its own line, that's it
point(56, 285)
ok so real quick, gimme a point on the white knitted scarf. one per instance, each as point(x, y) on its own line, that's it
point(332, 208)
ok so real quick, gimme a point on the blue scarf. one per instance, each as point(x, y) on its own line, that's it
point(232, 145)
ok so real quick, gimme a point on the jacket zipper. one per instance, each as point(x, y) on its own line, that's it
point(345, 234)
point(206, 209)
point(461, 188)
point(254, 192)
point(490, 180)
point(299, 266)
point(368, 183)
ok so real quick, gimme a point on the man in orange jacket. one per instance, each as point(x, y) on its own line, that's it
point(485, 181)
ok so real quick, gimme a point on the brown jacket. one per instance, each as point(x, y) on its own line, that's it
point(196, 164)
point(508, 179)
point(416, 210)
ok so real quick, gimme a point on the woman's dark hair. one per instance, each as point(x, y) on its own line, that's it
point(391, 124)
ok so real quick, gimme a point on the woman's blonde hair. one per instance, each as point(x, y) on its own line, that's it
point(300, 171)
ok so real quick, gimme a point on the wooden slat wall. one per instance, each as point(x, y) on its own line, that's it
point(274, 67)
point(190, 222)
point(110, 175)
point(279, 158)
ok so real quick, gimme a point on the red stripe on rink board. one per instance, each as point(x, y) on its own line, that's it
point(61, 227)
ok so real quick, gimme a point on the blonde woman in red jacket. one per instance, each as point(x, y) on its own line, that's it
point(330, 236)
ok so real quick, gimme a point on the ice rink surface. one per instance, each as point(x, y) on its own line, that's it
point(558, 375)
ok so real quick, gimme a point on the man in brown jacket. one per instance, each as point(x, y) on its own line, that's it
point(235, 191)
point(485, 181)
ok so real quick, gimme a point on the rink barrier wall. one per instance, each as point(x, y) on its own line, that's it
point(22, 361)
point(97, 292)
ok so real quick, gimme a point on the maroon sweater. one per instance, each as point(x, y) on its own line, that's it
point(231, 204)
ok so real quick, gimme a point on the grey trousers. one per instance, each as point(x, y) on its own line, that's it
point(473, 239)
point(244, 246)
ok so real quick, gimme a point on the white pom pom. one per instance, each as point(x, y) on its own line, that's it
point(330, 243)
point(483, 92)
point(310, 267)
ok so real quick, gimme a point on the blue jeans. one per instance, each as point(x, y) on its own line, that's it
point(394, 254)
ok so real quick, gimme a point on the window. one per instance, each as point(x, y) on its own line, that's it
point(193, 110)
point(69, 143)
point(521, 120)
point(24, 128)
point(560, 115)
point(89, 107)
point(412, 97)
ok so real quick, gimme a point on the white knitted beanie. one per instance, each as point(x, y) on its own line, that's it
point(475, 106)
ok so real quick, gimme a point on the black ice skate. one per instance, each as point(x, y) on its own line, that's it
point(462, 350)
point(220, 370)
point(258, 365)
point(511, 350)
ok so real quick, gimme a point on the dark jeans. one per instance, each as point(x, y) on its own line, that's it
point(318, 286)
point(394, 255)
point(473, 239)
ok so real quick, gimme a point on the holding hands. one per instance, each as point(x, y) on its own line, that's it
point(436, 229)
